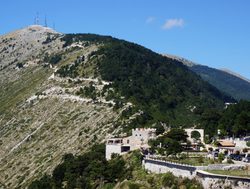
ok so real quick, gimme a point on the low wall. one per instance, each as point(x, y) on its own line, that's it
point(220, 167)
point(208, 180)
point(159, 166)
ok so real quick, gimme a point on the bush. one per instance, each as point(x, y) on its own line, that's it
point(200, 159)
point(19, 65)
point(248, 143)
point(53, 59)
point(86, 171)
point(230, 161)
point(221, 157)
point(169, 180)
point(191, 184)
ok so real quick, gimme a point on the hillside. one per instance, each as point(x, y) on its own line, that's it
point(41, 118)
point(224, 80)
point(163, 88)
point(63, 93)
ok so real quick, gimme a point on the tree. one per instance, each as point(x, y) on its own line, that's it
point(44, 182)
point(172, 147)
point(159, 128)
point(170, 143)
point(177, 134)
point(196, 135)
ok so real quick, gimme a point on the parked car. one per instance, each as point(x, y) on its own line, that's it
point(243, 155)
point(247, 138)
point(215, 153)
point(246, 158)
point(236, 157)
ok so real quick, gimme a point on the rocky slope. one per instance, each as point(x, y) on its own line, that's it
point(41, 118)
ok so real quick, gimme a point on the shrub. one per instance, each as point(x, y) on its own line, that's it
point(245, 150)
point(169, 180)
point(221, 157)
point(200, 159)
point(19, 65)
point(248, 143)
point(230, 161)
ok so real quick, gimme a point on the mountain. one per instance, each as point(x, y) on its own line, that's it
point(225, 80)
point(41, 118)
point(62, 93)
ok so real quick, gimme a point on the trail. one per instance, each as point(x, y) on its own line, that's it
point(26, 138)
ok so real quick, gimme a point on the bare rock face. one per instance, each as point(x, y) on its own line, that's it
point(41, 117)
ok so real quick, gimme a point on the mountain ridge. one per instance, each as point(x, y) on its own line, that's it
point(225, 80)
point(62, 93)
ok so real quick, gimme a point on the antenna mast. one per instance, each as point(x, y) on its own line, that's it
point(45, 22)
point(54, 26)
point(36, 19)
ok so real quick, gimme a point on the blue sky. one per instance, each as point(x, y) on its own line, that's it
point(210, 32)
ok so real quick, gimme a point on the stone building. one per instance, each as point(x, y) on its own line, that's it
point(138, 139)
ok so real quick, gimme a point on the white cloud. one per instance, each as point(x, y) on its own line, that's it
point(150, 19)
point(171, 23)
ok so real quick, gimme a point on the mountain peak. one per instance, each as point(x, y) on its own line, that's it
point(26, 43)
point(39, 28)
point(32, 30)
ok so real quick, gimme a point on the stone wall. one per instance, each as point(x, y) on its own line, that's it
point(158, 166)
point(220, 167)
point(208, 180)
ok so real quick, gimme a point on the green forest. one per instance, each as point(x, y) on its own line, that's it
point(233, 121)
point(164, 89)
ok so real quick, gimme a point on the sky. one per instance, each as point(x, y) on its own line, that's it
point(215, 33)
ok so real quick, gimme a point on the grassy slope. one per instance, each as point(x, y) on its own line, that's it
point(60, 126)
point(14, 92)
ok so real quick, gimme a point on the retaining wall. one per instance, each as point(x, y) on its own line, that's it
point(158, 166)
point(208, 180)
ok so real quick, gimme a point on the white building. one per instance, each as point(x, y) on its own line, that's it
point(139, 139)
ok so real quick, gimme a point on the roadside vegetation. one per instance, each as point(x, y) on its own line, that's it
point(91, 170)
